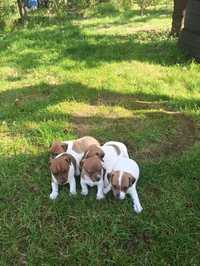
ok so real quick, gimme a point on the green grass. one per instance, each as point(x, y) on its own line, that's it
point(114, 77)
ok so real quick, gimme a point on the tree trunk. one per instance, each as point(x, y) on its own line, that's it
point(178, 16)
point(142, 9)
point(22, 10)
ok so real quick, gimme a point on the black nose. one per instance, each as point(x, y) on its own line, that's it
point(118, 195)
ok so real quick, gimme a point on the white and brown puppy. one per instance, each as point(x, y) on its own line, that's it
point(65, 160)
point(97, 163)
point(123, 180)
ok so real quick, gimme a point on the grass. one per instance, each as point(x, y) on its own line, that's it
point(114, 77)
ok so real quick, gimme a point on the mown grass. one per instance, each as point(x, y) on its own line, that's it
point(114, 77)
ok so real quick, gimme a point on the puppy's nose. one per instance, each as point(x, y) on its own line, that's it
point(62, 180)
point(118, 195)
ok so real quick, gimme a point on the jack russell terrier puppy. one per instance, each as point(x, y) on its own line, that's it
point(64, 162)
point(123, 180)
point(97, 163)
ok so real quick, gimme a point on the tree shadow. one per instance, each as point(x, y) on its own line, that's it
point(156, 133)
point(68, 41)
point(21, 102)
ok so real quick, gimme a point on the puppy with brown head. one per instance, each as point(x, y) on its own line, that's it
point(57, 148)
point(123, 180)
point(64, 162)
point(96, 163)
point(92, 172)
point(62, 168)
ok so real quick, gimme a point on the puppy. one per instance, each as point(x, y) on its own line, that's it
point(64, 162)
point(123, 180)
point(97, 163)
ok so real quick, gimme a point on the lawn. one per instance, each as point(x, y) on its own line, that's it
point(114, 77)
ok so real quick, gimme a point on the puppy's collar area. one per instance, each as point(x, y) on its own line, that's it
point(71, 156)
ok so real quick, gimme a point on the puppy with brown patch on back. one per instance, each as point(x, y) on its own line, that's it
point(65, 162)
point(123, 180)
point(97, 163)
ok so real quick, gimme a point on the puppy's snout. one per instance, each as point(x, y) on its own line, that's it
point(118, 195)
point(62, 180)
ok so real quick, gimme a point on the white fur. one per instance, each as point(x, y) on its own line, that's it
point(109, 161)
point(77, 156)
point(130, 166)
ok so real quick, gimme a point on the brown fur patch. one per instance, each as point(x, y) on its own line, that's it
point(60, 168)
point(92, 167)
point(57, 147)
point(82, 144)
point(94, 150)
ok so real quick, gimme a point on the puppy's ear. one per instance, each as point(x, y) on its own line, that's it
point(81, 163)
point(68, 159)
point(110, 176)
point(85, 155)
point(64, 146)
point(102, 154)
point(131, 181)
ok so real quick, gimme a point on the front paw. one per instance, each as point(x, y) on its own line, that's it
point(106, 189)
point(73, 193)
point(100, 196)
point(137, 208)
point(53, 196)
point(84, 192)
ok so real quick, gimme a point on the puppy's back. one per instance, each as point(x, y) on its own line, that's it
point(127, 165)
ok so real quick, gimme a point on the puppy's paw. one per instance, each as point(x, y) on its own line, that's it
point(53, 196)
point(106, 189)
point(137, 208)
point(73, 193)
point(100, 197)
point(84, 192)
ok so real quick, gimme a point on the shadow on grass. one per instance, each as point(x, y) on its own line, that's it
point(160, 132)
point(67, 41)
point(32, 99)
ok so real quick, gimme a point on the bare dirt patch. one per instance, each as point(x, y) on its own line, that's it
point(157, 134)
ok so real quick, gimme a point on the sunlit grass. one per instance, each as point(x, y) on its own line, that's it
point(117, 77)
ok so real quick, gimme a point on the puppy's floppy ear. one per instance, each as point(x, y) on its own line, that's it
point(64, 146)
point(102, 154)
point(68, 159)
point(131, 180)
point(110, 176)
point(81, 163)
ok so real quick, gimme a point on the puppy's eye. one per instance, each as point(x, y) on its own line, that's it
point(114, 186)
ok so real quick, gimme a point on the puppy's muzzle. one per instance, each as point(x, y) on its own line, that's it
point(118, 195)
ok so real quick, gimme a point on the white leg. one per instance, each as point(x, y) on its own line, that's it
point(54, 192)
point(107, 189)
point(72, 186)
point(136, 202)
point(84, 188)
point(100, 194)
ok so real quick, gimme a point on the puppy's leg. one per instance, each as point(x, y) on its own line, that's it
point(107, 185)
point(84, 188)
point(72, 186)
point(107, 189)
point(54, 192)
point(136, 202)
point(100, 194)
